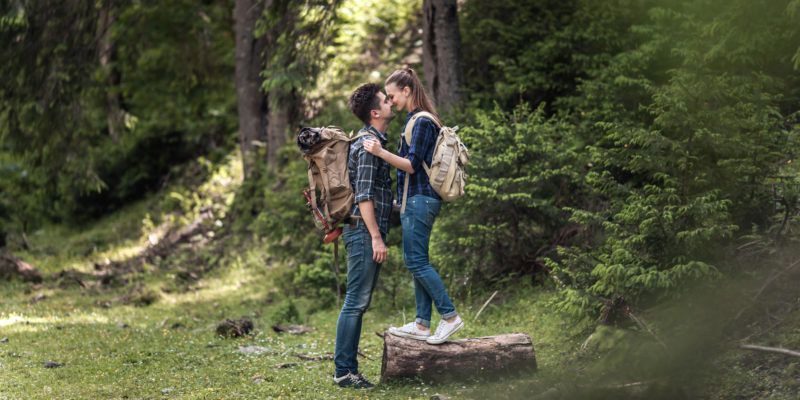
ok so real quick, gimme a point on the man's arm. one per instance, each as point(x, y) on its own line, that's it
point(374, 147)
point(366, 173)
point(420, 139)
point(367, 210)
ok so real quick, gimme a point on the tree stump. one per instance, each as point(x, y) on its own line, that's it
point(11, 267)
point(474, 357)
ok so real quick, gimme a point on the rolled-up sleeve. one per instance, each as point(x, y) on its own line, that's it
point(366, 171)
point(422, 136)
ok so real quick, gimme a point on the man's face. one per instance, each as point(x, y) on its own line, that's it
point(396, 97)
point(385, 110)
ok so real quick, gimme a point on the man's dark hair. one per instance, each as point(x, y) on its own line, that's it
point(363, 100)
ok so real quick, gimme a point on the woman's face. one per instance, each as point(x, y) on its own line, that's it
point(398, 97)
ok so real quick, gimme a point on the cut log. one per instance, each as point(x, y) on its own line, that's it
point(464, 358)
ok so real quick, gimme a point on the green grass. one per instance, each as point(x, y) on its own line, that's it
point(169, 349)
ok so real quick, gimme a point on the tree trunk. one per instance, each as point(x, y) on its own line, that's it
point(484, 356)
point(279, 121)
point(441, 55)
point(107, 54)
point(251, 100)
point(283, 102)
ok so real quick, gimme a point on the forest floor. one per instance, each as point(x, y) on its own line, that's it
point(150, 331)
point(155, 337)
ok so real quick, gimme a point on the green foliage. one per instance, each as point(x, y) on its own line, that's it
point(689, 160)
point(42, 94)
point(272, 207)
point(540, 50)
point(372, 39)
point(297, 33)
point(171, 63)
point(523, 170)
point(285, 312)
point(317, 279)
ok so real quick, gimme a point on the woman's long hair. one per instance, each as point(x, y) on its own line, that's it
point(407, 77)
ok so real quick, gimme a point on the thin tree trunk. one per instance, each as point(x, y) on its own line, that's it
point(279, 121)
point(107, 55)
point(441, 55)
point(251, 100)
point(283, 103)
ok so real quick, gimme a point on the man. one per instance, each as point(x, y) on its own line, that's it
point(364, 235)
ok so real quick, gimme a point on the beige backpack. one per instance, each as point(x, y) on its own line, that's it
point(329, 194)
point(447, 172)
point(326, 150)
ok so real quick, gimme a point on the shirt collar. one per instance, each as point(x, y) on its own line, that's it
point(414, 111)
point(379, 134)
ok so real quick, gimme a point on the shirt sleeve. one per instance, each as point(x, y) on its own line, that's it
point(422, 140)
point(366, 171)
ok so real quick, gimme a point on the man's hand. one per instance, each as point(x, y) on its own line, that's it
point(373, 146)
point(378, 250)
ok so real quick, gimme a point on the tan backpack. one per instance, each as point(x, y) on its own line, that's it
point(326, 150)
point(329, 194)
point(447, 173)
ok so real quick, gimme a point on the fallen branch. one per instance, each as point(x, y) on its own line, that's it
point(770, 349)
point(292, 329)
point(484, 305)
point(644, 326)
point(321, 357)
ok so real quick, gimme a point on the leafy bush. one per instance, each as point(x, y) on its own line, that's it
point(523, 171)
point(687, 162)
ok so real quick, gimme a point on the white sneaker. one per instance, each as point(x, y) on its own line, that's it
point(410, 331)
point(445, 330)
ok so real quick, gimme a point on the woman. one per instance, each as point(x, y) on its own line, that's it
point(404, 90)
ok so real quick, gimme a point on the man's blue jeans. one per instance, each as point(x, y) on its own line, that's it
point(362, 274)
point(417, 221)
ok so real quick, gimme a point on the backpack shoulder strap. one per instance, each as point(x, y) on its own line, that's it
point(407, 137)
point(360, 134)
point(413, 120)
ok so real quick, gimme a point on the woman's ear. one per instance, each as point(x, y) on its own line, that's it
point(407, 91)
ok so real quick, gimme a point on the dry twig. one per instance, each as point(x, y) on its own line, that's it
point(778, 350)
point(485, 304)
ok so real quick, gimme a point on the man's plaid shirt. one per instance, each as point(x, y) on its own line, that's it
point(423, 140)
point(369, 178)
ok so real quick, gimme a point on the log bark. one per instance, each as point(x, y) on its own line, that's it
point(464, 358)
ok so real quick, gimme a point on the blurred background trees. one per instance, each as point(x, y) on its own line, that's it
point(620, 149)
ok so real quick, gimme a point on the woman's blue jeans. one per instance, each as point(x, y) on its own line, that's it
point(417, 221)
point(362, 275)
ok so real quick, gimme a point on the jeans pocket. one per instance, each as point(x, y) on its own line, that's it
point(354, 242)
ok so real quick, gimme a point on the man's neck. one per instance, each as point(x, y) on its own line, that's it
point(380, 125)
